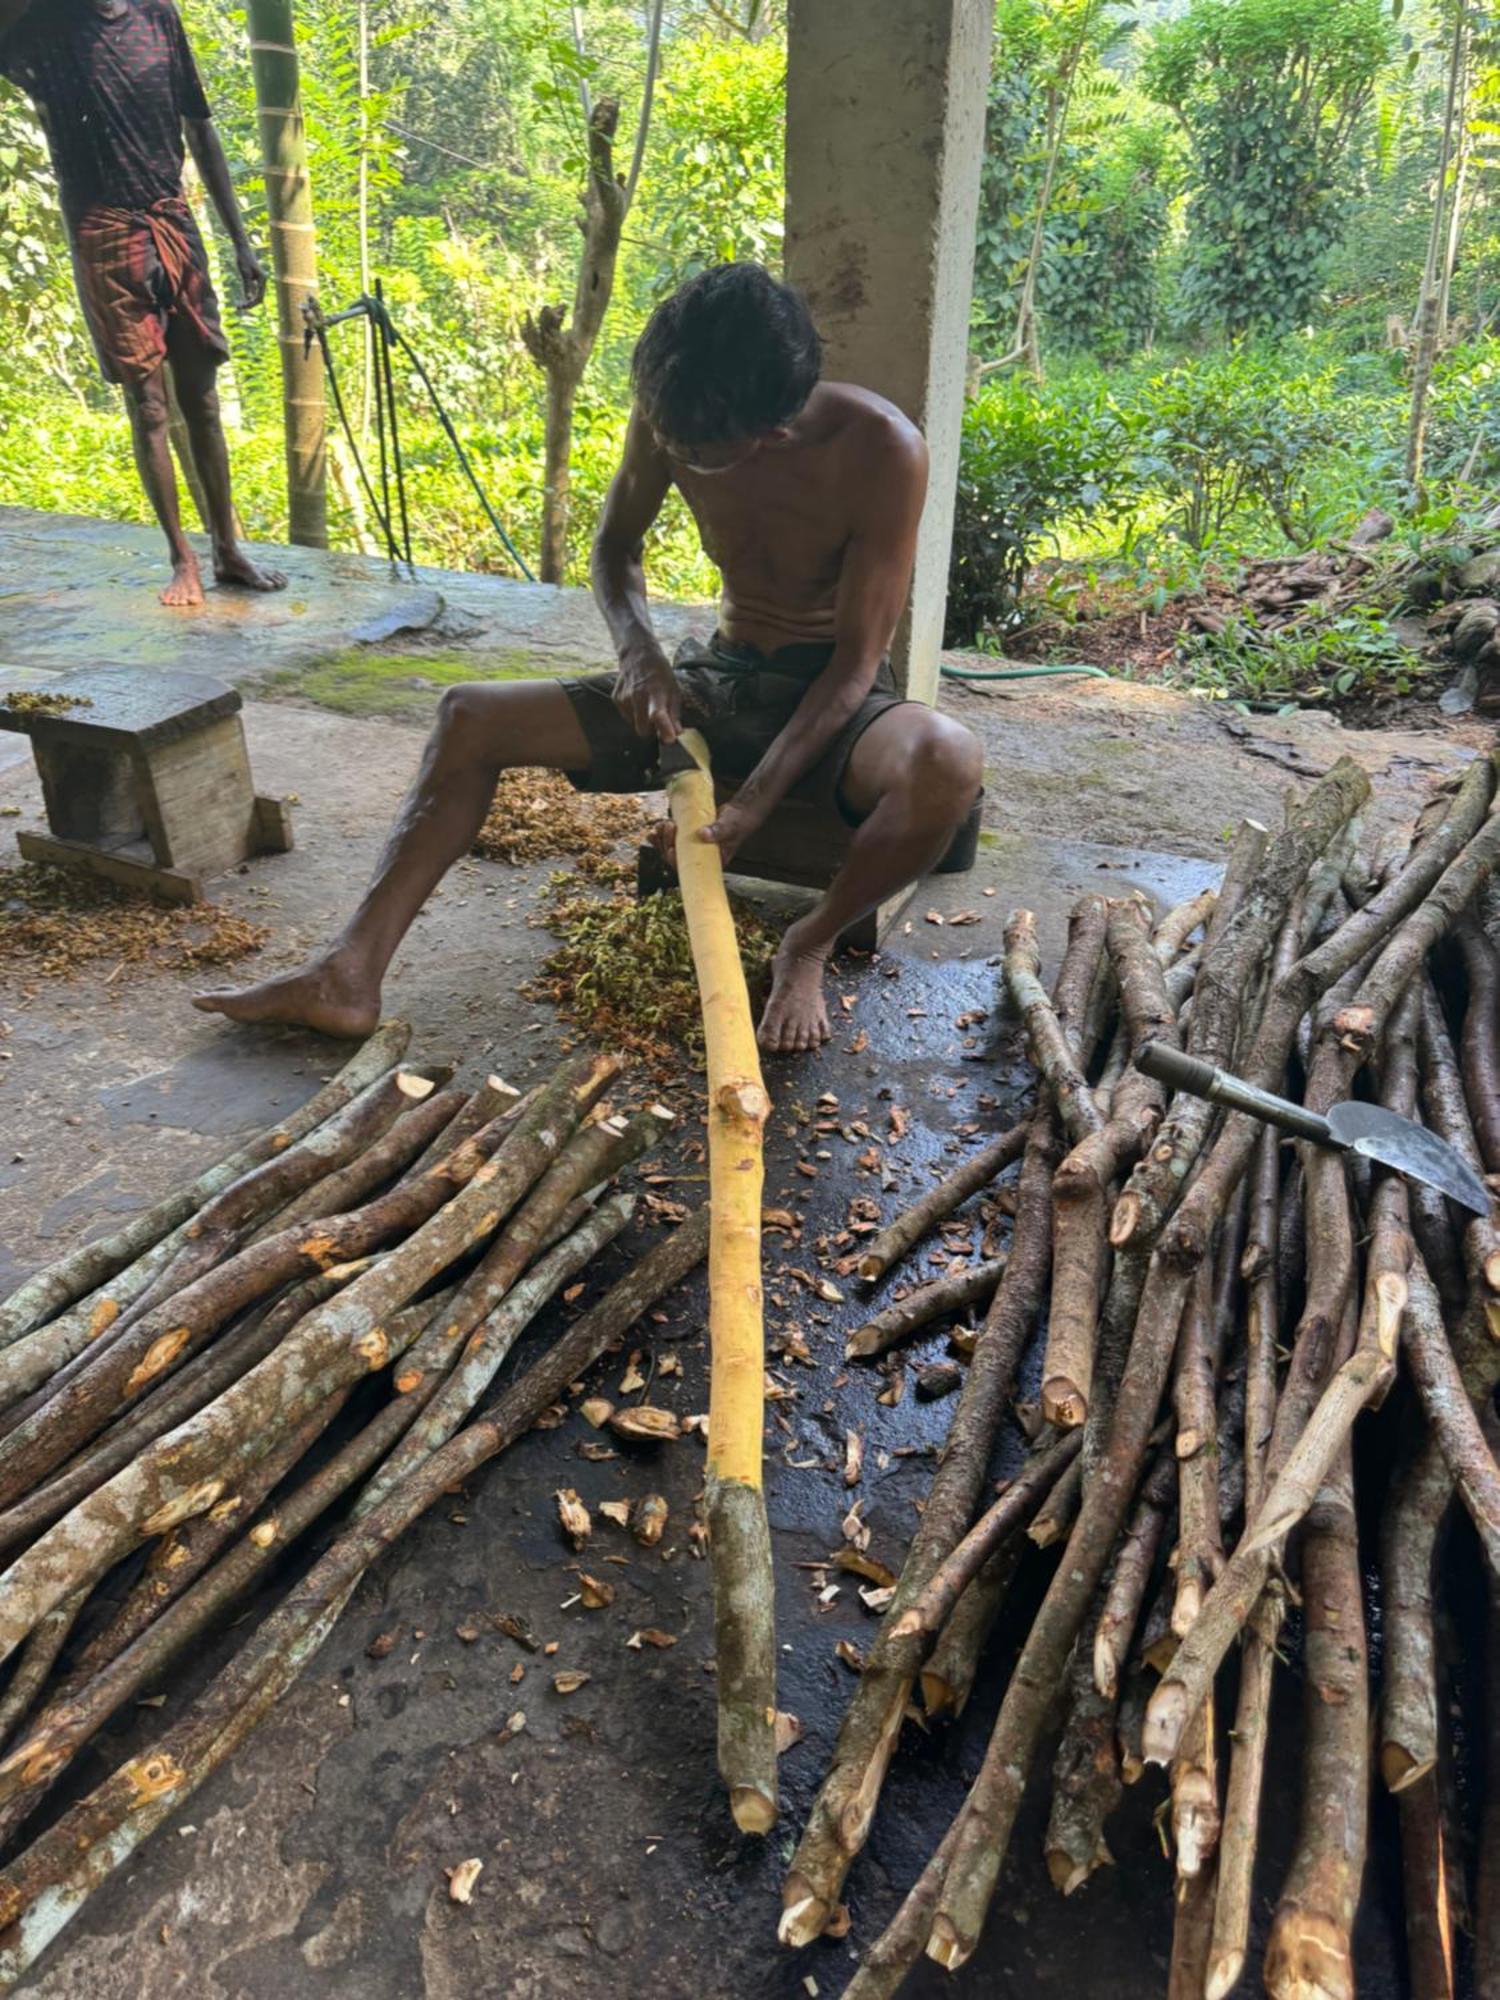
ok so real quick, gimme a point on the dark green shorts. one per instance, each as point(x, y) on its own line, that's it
point(741, 700)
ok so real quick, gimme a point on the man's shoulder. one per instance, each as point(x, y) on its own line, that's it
point(873, 428)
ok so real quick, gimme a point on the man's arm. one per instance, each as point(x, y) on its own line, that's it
point(648, 694)
point(873, 583)
point(206, 148)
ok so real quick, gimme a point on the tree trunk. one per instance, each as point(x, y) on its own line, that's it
point(294, 257)
point(1434, 285)
point(561, 350)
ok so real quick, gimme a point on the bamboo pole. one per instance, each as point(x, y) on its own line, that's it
point(294, 260)
point(739, 1537)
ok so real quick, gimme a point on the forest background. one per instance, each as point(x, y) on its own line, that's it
point(1237, 283)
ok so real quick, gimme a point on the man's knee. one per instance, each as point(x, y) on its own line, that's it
point(147, 402)
point(461, 710)
point(946, 768)
point(199, 401)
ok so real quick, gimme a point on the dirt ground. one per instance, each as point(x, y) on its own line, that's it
point(314, 1863)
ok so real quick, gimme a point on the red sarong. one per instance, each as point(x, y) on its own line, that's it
point(142, 273)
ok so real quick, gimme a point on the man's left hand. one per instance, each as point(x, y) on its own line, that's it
point(732, 828)
point(252, 277)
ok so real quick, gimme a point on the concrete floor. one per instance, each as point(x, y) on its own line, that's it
point(315, 1862)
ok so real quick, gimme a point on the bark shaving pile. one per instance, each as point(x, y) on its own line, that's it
point(164, 1387)
point(1221, 1308)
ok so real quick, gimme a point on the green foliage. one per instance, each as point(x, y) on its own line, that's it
point(1271, 95)
point(714, 190)
point(1219, 434)
point(43, 332)
point(1032, 461)
point(1354, 658)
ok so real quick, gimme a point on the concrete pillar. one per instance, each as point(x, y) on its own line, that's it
point(884, 139)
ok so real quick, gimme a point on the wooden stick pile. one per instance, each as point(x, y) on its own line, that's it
point(1224, 1305)
point(164, 1386)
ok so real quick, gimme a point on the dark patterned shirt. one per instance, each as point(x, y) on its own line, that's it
point(112, 95)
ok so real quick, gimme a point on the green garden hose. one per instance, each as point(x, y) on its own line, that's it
point(1015, 673)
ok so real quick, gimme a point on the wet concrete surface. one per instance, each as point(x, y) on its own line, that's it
point(315, 1862)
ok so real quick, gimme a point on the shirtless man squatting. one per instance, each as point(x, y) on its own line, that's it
point(117, 91)
point(807, 495)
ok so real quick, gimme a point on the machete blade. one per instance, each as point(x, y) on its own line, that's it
point(1411, 1149)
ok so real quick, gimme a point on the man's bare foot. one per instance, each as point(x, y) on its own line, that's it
point(324, 996)
point(186, 588)
point(234, 567)
point(796, 1018)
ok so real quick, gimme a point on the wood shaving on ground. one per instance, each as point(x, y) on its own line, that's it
point(623, 972)
point(538, 816)
point(55, 924)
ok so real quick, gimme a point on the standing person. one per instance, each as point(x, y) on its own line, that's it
point(116, 89)
point(807, 494)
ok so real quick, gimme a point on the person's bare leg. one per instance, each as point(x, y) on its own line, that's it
point(194, 376)
point(481, 729)
point(914, 775)
point(147, 404)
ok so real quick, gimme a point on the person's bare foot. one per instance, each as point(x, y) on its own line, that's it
point(324, 996)
point(234, 567)
point(796, 1018)
point(186, 588)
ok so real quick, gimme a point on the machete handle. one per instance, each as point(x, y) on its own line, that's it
point(1200, 1079)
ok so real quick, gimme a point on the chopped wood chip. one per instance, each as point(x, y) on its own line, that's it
point(570, 1680)
point(514, 1725)
point(934, 917)
point(461, 1880)
point(789, 1732)
point(853, 1528)
point(939, 1378)
point(596, 1595)
point(854, 1457)
point(849, 1653)
point(894, 1390)
point(596, 1454)
point(964, 917)
point(807, 1170)
point(633, 1381)
point(574, 1517)
point(899, 1119)
point(649, 1635)
point(669, 1364)
point(877, 1597)
point(517, 1674)
point(857, 1563)
point(468, 1631)
point(648, 1519)
point(778, 1218)
point(824, 1288)
point(381, 1646)
point(617, 1511)
point(517, 1629)
point(646, 1424)
point(597, 1410)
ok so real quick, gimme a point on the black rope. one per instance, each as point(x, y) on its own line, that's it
point(386, 335)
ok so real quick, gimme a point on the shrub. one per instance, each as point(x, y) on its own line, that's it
point(1031, 461)
point(1230, 432)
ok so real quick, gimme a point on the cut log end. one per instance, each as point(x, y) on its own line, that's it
point(1064, 1403)
point(1399, 1769)
point(939, 1696)
point(413, 1086)
point(1224, 1975)
point(944, 1945)
point(1308, 1958)
point(1127, 1222)
point(1166, 1718)
point(804, 1916)
point(752, 1808)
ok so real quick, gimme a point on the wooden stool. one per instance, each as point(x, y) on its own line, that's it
point(146, 778)
point(804, 846)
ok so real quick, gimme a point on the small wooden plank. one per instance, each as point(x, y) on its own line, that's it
point(198, 798)
point(149, 706)
point(271, 829)
point(171, 885)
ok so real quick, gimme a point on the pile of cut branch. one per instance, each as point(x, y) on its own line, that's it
point(1223, 1307)
point(163, 1387)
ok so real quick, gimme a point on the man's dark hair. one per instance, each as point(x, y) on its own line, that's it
point(731, 354)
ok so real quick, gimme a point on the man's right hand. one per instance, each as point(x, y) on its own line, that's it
point(649, 697)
